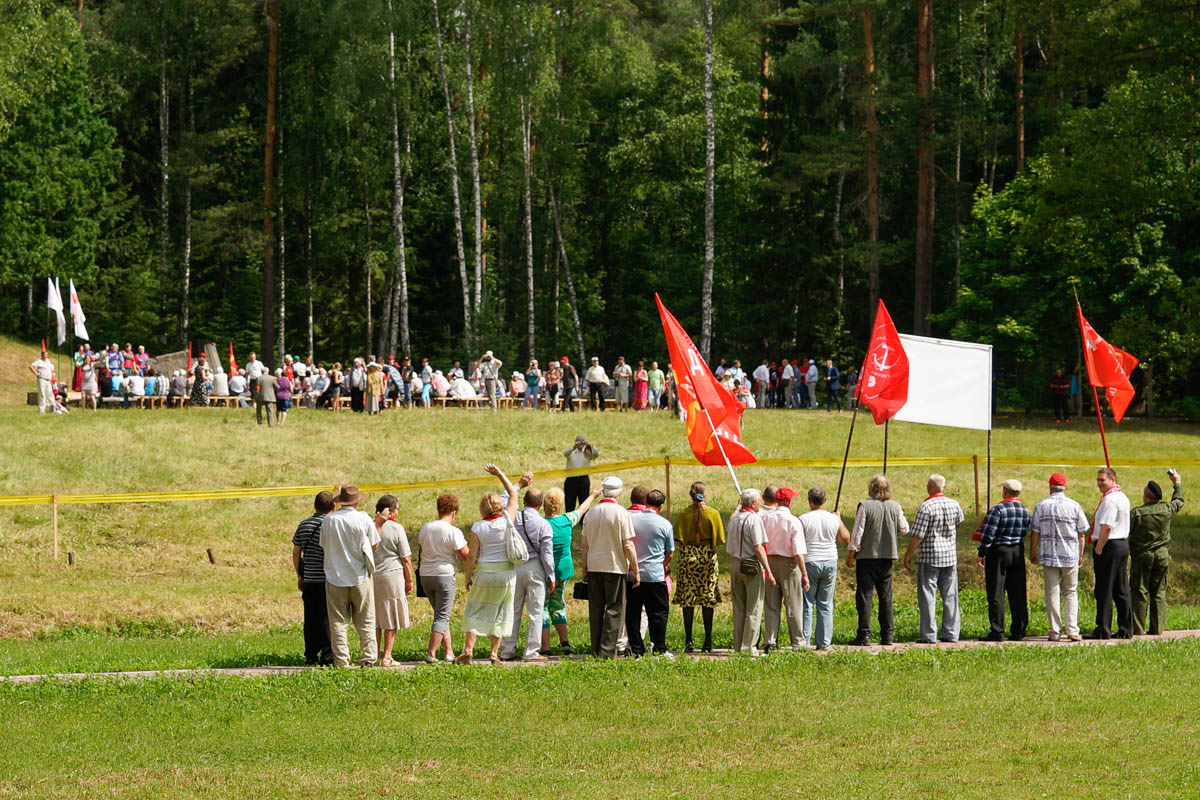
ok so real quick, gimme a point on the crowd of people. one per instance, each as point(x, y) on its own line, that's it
point(372, 384)
point(516, 561)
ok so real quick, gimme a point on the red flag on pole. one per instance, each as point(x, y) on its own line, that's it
point(189, 357)
point(1107, 366)
point(713, 414)
point(233, 367)
point(883, 380)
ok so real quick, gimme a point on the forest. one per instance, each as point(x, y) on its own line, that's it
point(438, 177)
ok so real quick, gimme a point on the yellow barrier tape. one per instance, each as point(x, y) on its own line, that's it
point(620, 466)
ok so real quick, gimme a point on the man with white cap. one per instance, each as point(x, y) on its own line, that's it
point(810, 383)
point(597, 379)
point(608, 555)
point(1056, 542)
point(1002, 556)
point(489, 371)
point(348, 540)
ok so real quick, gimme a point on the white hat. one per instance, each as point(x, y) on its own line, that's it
point(1011, 485)
point(516, 374)
point(488, 354)
point(612, 484)
point(595, 358)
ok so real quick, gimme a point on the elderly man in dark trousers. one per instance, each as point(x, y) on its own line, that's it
point(309, 562)
point(264, 398)
point(1149, 535)
point(608, 556)
point(1110, 552)
point(1002, 556)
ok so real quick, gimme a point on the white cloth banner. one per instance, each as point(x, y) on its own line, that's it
point(949, 383)
point(77, 313)
point(54, 303)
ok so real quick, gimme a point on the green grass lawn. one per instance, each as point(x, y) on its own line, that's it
point(1013, 722)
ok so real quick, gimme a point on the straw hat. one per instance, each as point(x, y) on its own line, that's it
point(348, 495)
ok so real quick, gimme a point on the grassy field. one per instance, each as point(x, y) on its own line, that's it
point(142, 595)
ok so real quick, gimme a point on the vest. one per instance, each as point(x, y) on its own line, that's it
point(881, 526)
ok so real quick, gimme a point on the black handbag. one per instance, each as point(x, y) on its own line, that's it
point(747, 566)
point(580, 590)
point(417, 576)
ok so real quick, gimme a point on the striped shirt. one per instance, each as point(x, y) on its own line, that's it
point(1004, 526)
point(308, 539)
point(936, 526)
point(1059, 521)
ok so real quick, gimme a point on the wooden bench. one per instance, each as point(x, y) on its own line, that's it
point(342, 403)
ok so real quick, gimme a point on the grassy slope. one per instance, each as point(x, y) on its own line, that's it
point(982, 724)
point(148, 561)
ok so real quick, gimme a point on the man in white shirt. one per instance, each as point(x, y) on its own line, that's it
point(1058, 529)
point(608, 556)
point(489, 371)
point(786, 548)
point(597, 379)
point(43, 368)
point(623, 374)
point(739, 375)
point(348, 540)
point(746, 548)
point(786, 376)
point(254, 370)
point(1110, 552)
point(237, 387)
point(762, 382)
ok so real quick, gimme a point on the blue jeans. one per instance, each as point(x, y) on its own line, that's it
point(531, 393)
point(932, 581)
point(797, 400)
point(822, 578)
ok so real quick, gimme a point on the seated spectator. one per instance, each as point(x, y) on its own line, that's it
point(237, 387)
point(320, 385)
point(441, 386)
point(220, 384)
point(104, 379)
point(461, 389)
point(116, 379)
point(517, 385)
point(151, 387)
point(179, 388)
point(138, 384)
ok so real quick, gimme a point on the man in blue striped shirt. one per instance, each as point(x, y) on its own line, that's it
point(1002, 556)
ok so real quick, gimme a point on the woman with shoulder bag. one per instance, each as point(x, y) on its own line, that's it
point(491, 579)
point(748, 567)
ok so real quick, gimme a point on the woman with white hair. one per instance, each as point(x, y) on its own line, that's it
point(748, 567)
point(874, 548)
point(491, 578)
point(393, 579)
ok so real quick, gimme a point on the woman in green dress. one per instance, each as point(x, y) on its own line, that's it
point(699, 533)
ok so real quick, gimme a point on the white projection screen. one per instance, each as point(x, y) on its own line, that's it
point(949, 383)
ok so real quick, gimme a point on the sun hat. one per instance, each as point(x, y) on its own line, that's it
point(348, 495)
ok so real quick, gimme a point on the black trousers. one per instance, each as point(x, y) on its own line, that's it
point(606, 611)
point(1112, 586)
point(1004, 572)
point(1062, 410)
point(568, 400)
point(316, 624)
point(596, 396)
point(576, 489)
point(654, 598)
point(873, 575)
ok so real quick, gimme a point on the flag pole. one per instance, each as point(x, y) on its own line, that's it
point(885, 443)
point(721, 447)
point(846, 457)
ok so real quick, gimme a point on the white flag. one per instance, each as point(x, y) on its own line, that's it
point(77, 316)
point(949, 383)
point(54, 303)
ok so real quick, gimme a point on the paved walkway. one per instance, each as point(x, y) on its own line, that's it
point(248, 672)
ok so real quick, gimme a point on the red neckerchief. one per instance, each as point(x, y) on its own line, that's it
point(639, 507)
point(608, 500)
point(936, 494)
point(493, 516)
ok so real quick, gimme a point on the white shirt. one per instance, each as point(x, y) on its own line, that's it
point(254, 369)
point(820, 534)
point(788, 372)
point(221, 385)
point(137, 384)
point(785, 533)
point(440, 543)
point(348, 537)
point(738, 374)
point(493, 539)
point(237, 384)
point(761, 373)
point(623, 372)
point(595, 374)
point(744, 533)
point(1114, 512)
point(44, 367)
point(577, 458)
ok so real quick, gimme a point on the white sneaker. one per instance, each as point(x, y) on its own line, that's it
point(669, 656)
point(1053, 636)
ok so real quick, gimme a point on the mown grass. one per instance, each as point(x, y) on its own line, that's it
point(1011, 722)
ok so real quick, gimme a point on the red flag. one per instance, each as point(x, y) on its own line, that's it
point(1108, 367)
point(883, 380)
point(189, 357)
point(233, 369)
point(713, 413)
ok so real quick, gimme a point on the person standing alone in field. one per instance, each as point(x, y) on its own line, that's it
point(309, 562)
point(264, 398)
point(43, 369)
point(580, 455)
point(348, 539)
point(1060, 387)
point(489, 372)
point(1058, 529)
point(1149, 535)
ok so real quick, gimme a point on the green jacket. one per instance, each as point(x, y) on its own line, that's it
point(1150, 524)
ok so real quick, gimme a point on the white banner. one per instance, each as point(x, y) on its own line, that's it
point(949, 383)
point(54, 303)
point(77, 313)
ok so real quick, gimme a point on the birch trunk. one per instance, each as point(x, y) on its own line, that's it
point(1020, 59)
point(267, 335)
point(282, 319)
point(186, 278)
point(527, 162)
point(399, 310)
point(710, 161)
point(308, 271)
point(468, 327)
point(566, 262)
point(471, 135)
point(164, 166)
point(368, 270)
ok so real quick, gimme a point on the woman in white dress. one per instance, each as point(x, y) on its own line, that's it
point(491, 579)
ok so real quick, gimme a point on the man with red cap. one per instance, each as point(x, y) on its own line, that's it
point(786, 548)
point(1058, 530)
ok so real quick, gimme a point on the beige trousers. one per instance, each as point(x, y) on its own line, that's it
point(1066, 578)
point(789, 591)
point(747, 593)
point(346, 604)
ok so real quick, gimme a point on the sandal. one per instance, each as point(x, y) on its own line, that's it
point(464, 658)
point(495, 659)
